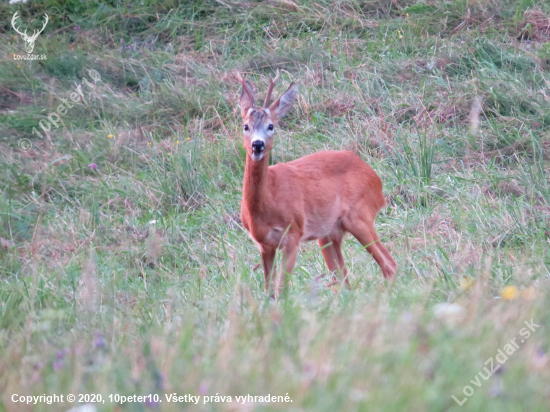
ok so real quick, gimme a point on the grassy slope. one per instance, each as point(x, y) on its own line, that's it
point(176, 306)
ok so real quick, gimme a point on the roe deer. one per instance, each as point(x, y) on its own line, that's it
point(320, 196)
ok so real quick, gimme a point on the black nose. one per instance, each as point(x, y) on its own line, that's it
point(258, 146)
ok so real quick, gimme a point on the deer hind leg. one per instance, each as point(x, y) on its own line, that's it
point(364, 232)
point(331, 247)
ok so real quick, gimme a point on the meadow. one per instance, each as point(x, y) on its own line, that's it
point(125, 269)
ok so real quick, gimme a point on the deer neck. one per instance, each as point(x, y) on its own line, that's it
point(255, 183)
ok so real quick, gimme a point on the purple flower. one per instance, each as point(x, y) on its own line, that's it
point(59, 358)
point(92, 166)
point(76, 28)
point(203, 388)
point(99, 341)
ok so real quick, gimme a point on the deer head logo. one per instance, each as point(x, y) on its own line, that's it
point(29, 40)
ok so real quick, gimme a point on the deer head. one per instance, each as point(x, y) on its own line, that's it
point(259, 123)
point(29, 40)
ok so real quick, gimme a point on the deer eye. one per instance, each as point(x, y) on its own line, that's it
point(246, 129)
point(270, 127)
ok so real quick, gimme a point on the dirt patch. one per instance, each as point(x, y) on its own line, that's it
point(534, 26)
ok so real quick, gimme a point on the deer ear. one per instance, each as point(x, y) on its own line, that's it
point(280, 107)
point(247, 98)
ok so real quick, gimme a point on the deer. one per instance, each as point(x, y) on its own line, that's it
point(29, 40)
point(320, 197)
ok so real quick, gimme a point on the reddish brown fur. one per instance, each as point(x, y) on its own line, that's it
point(320, 196)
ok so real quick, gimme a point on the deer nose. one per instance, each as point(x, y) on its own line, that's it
point(258, 146)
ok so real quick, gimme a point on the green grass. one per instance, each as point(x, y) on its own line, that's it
point(138, 277)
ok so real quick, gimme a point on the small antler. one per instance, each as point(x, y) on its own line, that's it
point(240, 78)
point(244, 83)
point(36, 32)
point(15, 16)
point(271, 85)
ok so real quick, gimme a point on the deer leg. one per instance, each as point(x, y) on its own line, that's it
point(366, 235)
point(268, 256)
point(332, 252)
point(290, 253)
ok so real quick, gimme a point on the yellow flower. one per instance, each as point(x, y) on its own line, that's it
point(509, 293)
point(111, 136)
point(149, 144)
point(466, 283)
point(177, 142)
point(188, 138)
point(407, 14)
point(18, 66)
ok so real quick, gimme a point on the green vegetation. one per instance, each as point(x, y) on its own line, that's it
point(124, 268)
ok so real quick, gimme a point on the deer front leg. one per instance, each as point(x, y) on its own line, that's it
point(290, 252)
point(268, 256)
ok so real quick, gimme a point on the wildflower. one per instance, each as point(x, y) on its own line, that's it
point(60, 358)
point(450, 313)
point(400, 37)
point(76, 28)
point(61, 353)
point(149, 144)
point(99, 341)
point(466, 283)
point(177, 142)
point(509, 293)
point(203, 388)
point(18, 66)
point(111, 136)
point(188, 138)
point(92, 166)
point(407, 15)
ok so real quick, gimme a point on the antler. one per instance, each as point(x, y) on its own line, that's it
point(240, 78)
point(15, 16)
point(36, 32)
point(245, 85)
point(271, 85)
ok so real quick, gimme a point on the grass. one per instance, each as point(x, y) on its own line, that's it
point(136, 277)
